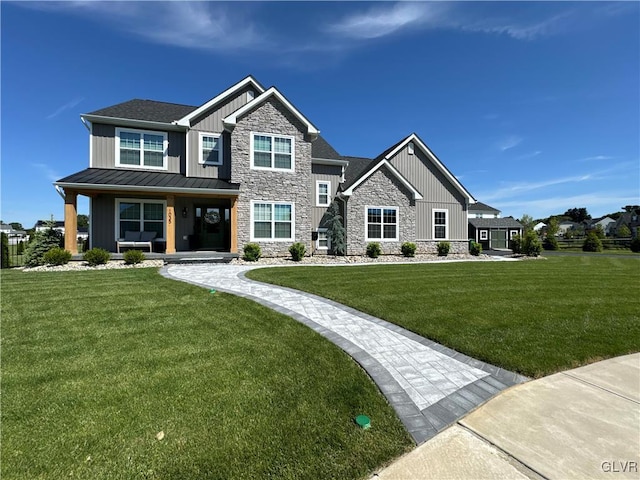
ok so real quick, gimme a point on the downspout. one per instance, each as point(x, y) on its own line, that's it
point(60, 191)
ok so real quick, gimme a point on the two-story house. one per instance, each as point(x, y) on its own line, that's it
point(248, 166)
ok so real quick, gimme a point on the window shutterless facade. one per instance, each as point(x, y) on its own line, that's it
point(272, 152)
point(381, 223)
point(323, 193)
point(272, 221)
point(323, 242)
point(440, 224)
point(484, 235)
point(138, 215)
point(210, 149)
point(141, 149)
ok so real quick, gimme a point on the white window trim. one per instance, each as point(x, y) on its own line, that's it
point(366, 223)
point(513, 233)
point(165, 148)
point(220, 148)
point(484, 234)
point(328, 184)
point(273, 169)
point(318, 247)
point(433, 223)
point(252, 237)
point(141, 200)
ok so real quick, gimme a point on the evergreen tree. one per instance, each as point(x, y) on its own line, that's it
point(335, 230)
point(5, 251)
point(43, 241)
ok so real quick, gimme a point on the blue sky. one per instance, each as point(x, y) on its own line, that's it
point(533, 106)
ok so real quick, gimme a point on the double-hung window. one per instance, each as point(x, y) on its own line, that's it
point(272, 152)
point(272, 221)
point(381, 223)
point(210, 149)
point(323, 193)
point(134, 215)
point(440, 224)
point(142, 149)
point(323, 242)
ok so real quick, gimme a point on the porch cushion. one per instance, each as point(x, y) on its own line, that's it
point(130, 236)
point(147, 236)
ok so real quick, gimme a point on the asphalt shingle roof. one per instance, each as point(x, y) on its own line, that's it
point(148, 110)
point(320, 148)
point(110, 176)
point(483, 207)
point(507, 222)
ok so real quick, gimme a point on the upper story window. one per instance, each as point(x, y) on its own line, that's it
point(272, 152)
point(323, 193)
point(440, 223)
point(142, 149)
point(381, 223)
point(210, 149)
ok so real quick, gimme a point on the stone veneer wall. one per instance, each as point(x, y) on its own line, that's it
point(431, 246)
point(384, 190)
point(271, 117)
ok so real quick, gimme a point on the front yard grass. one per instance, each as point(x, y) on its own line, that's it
point(534, 317)
point(96, 364)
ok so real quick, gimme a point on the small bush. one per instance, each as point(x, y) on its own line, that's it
point(96, 256)
point(443, 249)
point(297, 251)
point(57, 256)
point(516, 244)
point(252, 252)
point(5, 251)
point(531, 245)
point(408, 249)
point(20, 248)
point(475, 249)
point(550, 243)
point(133, 257)
point(43, 241)
point(592, 243)
point(373, 250)
point(635, 245)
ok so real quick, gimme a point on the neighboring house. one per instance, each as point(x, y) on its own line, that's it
point(567, 225)
point(248, 166)
point(631, 220)
point(607, 224)
point(489, 230)
point(42, 225)
point(13, 236)
point(539, 226)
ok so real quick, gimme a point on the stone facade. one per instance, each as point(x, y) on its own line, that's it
point(380, 189)
point(272, 117)
point(431, 247)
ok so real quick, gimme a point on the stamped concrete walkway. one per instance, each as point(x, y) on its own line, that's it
point(428, 385)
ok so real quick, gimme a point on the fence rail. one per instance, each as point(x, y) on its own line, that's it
point(607, 243)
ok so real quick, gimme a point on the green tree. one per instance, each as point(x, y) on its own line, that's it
point(592, 243)
point(83, 220)
point(623, 231)
point(527, 222)
point(531, 245)
point(599, 231)
point(43, 241)
point(577, 214)
point(16, 226)
point(335, 230)
point(632, 209)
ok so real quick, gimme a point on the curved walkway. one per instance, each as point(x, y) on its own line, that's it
point(428, 385)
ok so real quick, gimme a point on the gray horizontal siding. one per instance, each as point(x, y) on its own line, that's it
point(103, 148)
point(329, 173)
point(426, 177)
point(424, 220)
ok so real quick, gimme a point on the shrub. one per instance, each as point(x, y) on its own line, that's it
point(297, 251)
point(443, 249)
point(516, 244)
point(623, 231)
point(408, 249)
point(335, 230)
point(43, 241)
point(252, 252)
point(592, 243)
point(20, 248)
point(635, 245)
point(550, 243)
point(5, 251)
point(373, 250)
point(132, 257)
point(475, 249)
point(531, 245)
point(57, 256)
point(96, 256)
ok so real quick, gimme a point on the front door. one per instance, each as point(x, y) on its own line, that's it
point(211, 227)
point(498, 239)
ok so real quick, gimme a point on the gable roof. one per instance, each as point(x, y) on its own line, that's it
point(249, 80)
point(146, 110)
point(231, 120)
point(357, 165)
point(320, 148)
point(507, 222)
point(479, 206)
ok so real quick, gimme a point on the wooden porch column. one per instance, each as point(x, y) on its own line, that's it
point(234, 225)
point(71, 221)
point(171, 224)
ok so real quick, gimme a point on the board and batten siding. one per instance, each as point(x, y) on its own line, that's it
point(103, 148)
point(103, 222)
point(438, 192)
point(211, 122)
point(328, 173)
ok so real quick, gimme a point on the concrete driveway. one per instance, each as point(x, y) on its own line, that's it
point(578, 424)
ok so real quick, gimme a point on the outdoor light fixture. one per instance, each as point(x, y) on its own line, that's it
point(184, 212)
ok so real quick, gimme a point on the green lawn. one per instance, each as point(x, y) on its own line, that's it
point(96, 364)
point(535, 317)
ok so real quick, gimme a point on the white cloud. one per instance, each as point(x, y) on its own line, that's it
point(64, 107)
point(47, 171)
point(596, 158)
point(530, 155)
point(518, 31)
point(519, 188)
point(509, 142)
